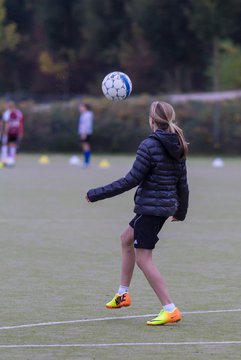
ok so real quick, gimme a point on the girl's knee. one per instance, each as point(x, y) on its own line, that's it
point(139, 260)
point(143, 258)
point(127, 238)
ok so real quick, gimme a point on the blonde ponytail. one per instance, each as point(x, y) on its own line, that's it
point(164, 116)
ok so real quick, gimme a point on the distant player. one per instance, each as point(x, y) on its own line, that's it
point(12, 129)
point(1, 138)
point(159, 171)
point(85, 131)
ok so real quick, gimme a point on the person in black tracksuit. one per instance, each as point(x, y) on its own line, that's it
point(159, 171)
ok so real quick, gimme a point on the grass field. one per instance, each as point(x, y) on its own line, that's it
point(60, 259)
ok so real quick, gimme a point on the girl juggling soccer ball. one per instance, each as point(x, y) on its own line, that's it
point(159, 171)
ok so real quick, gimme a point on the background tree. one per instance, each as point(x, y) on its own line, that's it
point(136, 58)
point(229, 66)
point(9, 40)
point(176, 46)
point(214, 21)
point(64, 47)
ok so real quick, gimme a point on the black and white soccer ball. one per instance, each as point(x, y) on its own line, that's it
point(116, 86)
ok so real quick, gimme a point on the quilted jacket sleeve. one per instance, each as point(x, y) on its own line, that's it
point(133, 178)
point(183, 194)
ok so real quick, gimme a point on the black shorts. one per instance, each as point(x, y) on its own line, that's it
point(12, 138)
point(146, 229)
point(86, 139)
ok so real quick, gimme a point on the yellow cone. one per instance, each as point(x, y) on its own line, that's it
point(104, 164)
point(44, 160)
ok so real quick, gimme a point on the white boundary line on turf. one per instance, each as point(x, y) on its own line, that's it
point(9, 221)
point(186, 343)
point(110, 318)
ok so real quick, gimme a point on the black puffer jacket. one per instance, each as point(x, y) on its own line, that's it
point(160, 172)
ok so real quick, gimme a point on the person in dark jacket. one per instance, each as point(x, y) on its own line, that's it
point(159, 171)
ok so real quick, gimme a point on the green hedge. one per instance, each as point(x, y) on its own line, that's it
point(120, 126)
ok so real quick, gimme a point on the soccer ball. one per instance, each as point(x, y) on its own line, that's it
point(116, 86)
point(10, 162)
point(74, 160)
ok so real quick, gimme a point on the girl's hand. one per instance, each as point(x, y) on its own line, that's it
point(174, 219)
point(87, 198)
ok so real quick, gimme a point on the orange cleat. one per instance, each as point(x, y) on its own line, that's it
point(166, 317)
point(119, 301)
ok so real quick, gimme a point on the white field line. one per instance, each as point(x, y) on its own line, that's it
point(63, 220)
point(110, 318)
point(186, 343)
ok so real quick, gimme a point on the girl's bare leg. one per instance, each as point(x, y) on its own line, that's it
point(128, 256)
point(152, 274)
